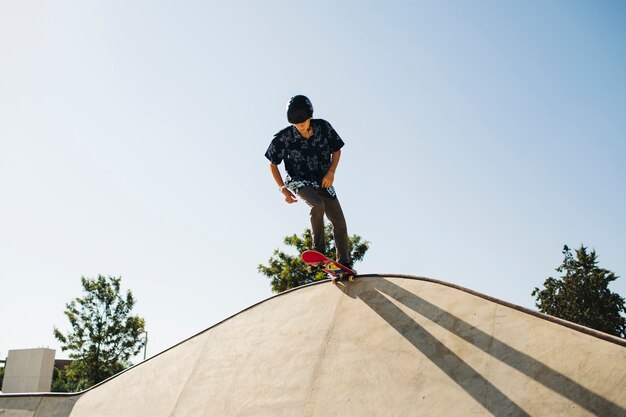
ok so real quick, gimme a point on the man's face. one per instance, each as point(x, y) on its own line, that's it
point(304, 126)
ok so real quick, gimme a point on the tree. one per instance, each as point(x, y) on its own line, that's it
point(104, 334)
point(59, 381)
point(288, 271)
point(582, 295)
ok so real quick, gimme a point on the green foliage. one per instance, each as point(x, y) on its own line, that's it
point(1, 376)
point(104, 334)
point(288, 271)
point(59, 381)
point(582, 295)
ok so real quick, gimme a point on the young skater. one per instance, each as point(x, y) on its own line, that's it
point(311, 150)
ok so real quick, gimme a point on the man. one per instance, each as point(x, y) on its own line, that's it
point(311, 150)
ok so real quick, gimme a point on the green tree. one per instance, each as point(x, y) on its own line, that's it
point(104, 334)
point(59, 381)
point(582, 295)
point(288, 271)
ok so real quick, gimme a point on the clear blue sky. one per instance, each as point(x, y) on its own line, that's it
point(481, 136)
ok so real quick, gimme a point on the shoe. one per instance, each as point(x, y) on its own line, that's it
point(347, 265)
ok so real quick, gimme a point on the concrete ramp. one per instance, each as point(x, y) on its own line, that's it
point(380, 346)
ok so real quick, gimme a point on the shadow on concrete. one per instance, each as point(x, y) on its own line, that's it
point(459, 371)
point(47, 404)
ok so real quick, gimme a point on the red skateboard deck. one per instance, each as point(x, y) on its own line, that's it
point(332, 268)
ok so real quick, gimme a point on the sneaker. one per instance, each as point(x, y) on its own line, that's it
point(347, 265)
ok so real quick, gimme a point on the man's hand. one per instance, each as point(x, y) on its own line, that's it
point(328, 179)
point(290, 198)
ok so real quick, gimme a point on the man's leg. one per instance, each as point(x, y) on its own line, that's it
point(340, 230)
point(316, 202)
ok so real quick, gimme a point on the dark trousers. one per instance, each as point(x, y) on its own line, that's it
point(321, 204)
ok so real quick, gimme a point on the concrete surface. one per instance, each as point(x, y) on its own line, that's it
point(28, 370)
point(42, 405)
point(380, 346)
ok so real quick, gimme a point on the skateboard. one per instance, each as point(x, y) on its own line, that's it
point(317, 260)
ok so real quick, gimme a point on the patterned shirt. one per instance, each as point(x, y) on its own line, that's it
point(306, 160)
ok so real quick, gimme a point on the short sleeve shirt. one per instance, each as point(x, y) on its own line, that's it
point(306, 160)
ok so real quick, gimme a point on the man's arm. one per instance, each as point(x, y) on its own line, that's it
point(289, 196)
point(329, 178)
